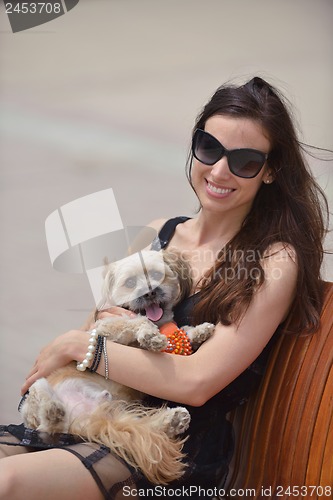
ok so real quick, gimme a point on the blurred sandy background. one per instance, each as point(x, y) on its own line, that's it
point(105, 96)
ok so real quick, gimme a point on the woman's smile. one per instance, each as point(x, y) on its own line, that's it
point(216, 191)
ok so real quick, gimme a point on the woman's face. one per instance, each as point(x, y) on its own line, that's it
point(216, 187)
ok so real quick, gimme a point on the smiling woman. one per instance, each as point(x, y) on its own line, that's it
point(281, 204)
point(254, 252)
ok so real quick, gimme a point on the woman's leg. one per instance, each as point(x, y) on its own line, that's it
point(50, 474)
point(7, 450)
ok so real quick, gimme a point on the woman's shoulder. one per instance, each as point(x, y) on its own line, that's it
point(166, 227)
point(157, 224)
point(280, 265)
point(280, 250)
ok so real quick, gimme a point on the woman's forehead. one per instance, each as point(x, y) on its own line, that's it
point(236, 132)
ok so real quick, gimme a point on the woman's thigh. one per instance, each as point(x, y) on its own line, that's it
point(8, 451)
point(50, 474)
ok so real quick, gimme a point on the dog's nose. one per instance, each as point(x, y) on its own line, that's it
point(150, 294)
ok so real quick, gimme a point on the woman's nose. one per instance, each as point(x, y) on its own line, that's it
point(220, 169)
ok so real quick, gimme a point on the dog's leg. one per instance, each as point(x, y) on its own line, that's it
point(131, 330)
point(150, 338)
point(199, 334)
point(119, 329)
point(42, 410)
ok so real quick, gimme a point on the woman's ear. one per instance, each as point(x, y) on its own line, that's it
point(268, 177)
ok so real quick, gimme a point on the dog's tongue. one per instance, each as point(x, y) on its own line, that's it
point(154, 312)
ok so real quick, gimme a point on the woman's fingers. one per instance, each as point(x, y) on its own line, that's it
point(28, 383)
point(62, 350)
point(32, 372)
point(112, 312)
point(115, 311)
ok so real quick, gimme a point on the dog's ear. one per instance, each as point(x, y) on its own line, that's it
point(108, 283)
point(106, 267)
point(181, 268)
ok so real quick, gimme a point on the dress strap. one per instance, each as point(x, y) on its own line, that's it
point(166, 232)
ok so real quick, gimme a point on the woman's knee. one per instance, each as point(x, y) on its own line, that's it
point(46, 474)
point(8, 470)
point(8, 479)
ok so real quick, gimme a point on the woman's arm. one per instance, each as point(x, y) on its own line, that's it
point(194, 379)
point(68, 347)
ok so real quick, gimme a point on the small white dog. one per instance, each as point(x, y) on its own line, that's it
point(148, 283)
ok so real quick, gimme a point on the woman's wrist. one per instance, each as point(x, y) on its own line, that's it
point(93, 353)
point(76, 348)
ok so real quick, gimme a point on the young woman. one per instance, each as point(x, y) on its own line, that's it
point(255, 250)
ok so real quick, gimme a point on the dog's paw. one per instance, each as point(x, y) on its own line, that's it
point(150, 338)
point(200, 333)
point(177, 421)
point(104, 396)
point(31, 406)
point(53, 417)
point(30, 410)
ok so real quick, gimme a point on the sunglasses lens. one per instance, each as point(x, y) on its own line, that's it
point(246, 163)
point(206, 148)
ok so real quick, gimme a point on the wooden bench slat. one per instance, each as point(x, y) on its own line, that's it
point(285, 434)
point(320, 443)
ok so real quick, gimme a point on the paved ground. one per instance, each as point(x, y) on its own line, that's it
point(105, 96)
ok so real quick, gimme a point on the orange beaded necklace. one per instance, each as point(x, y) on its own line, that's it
point(178, 341)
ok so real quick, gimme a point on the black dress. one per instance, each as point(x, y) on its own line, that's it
point(209, 446)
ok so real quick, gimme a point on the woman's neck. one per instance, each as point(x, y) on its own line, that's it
point(213, 230)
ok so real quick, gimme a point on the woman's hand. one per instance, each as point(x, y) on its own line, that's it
point(113, 311)
point(66, 348)
point(71, 346)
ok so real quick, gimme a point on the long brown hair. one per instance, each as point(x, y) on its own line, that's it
point(293, 209)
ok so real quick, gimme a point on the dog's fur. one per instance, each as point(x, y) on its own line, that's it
point(99, 410)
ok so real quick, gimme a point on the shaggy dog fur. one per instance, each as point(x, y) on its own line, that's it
point(148, 283)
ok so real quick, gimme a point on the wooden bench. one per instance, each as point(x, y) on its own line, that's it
point(284, 435)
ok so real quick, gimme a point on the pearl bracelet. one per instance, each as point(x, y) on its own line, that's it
point(91, 351)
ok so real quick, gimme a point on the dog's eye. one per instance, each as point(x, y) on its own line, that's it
point(130, 282)
point(156, 275)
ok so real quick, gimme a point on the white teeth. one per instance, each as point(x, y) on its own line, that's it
point(219, 190)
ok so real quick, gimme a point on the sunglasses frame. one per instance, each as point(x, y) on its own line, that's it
point(226, 152)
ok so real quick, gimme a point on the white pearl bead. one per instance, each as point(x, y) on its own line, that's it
point(91, 351)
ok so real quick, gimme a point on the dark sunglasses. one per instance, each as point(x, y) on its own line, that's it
point(245, 163)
